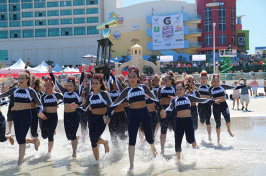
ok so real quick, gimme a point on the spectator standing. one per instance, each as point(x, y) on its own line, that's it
point(255, 86)
point(244, 97)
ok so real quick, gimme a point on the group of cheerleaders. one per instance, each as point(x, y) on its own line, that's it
point(128, 106)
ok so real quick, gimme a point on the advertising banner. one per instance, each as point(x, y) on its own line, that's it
point(241, 40)
point(168, 32)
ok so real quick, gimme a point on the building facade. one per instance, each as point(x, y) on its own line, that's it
point(62, 31)
point(223, 13)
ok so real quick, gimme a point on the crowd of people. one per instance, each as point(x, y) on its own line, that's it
point(128, 105)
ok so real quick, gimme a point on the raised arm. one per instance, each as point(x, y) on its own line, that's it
point(159, 93)
point(85, 106)
point(118, 101)
point(200, 100)
point(81, 83)
point(117, 82)
point(231, 87)
point(7, 93)
point(36, 99)
point(152, 97)
point(59, 86)
point(197, 94)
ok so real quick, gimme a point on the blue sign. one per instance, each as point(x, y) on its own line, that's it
point(117, 34)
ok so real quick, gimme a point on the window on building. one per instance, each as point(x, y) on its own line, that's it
point(222, 21)
point(233, 39)
point(27, 6)
point(66, 31)
point(208, 19)
point(92, 20)
point(15, 24)
point(53, 32)
point(78, 2)
point(40, 14)
point(14, 7)
point(14, 16)
point(78, 11)
point(3, 8)
point(53, 13)
point(208, 40)
point(3, 17)
point(13, 1)
point(233, 19)
point(26, 0)
point(91, 2)
point(15, 34)
point(53, 22)
point(27, 23)
point(40, 32)
point(65, 3)
point(66, 21)
point(40, 22)
point(52, 4)
point(65, 12)
point(92, 30)
point(38, 0)
point(79, 31)
point(92, 11)
point(29, 33)
point(79, 20)
point(3, 1)
point(27, 14)
point(222, 39)
point(3, 54)
point(3, 34)
point(39, 5)
point(3, 24)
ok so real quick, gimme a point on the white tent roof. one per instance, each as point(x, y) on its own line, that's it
point(44, 63)
point(57, 68)
point(68, 69)
point(40, 69)
point(77, 70)
point(16, 67)
point(73, 69)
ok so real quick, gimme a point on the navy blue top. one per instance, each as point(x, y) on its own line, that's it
point(203, 90)
point(51, 100)
point(220, 91)
point(165, 92)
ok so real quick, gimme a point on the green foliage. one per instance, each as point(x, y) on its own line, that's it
point(125, 59)
point(264, 60)
point(153, 59)
point(2, 65)
point(50, 62)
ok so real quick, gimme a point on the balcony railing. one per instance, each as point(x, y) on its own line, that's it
point(195, 30)
point(195, 17)
point(195, 44)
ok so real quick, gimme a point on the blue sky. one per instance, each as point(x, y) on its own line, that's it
point(255, 11)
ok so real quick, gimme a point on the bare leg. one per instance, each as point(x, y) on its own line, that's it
point(11, 139)
point(154, 151)
point(178, 155)
point(50, 146)
point(234, 100)
point(34, 141)
point(209, 130)
point(105, 143)
point(194, 144)
point(74, 147)
point(237, 101)
point(229, 130)
point(156, 129)
point(9, 126)
point(131, 153)
point(163, 139)
point(218, 131)
point(22, 149)
point(246, 105)
point(96, 153)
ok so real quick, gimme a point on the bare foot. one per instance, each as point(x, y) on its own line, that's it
point(210, 138)
point(36, 143)
point(18, 167)
point(144, 140)
point(106, 147)
point(231, 134)
point(162, 151)
point(202, 124)
point(74, 155)
point(130, 170)
point(11, 140)
point(218, 141)
point(154, 151)
point(55, 132)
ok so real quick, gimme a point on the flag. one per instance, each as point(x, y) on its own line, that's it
point(152, 9)
point(182, 9)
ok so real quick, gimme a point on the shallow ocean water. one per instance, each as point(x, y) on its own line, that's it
point(243, 154)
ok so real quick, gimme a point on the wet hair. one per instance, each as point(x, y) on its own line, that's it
point(171, 77)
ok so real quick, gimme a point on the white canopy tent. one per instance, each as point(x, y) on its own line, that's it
point(166, 58)
point(40, 69)
point(16, 68)
point(44, 63)
point(57, 68)
point(199, 57)
point(68, 69)
point(77, 70)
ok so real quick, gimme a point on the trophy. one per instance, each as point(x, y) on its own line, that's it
point(104, 46)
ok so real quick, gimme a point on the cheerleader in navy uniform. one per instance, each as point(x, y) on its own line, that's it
point(71, 118)
point(217, 92)
point(164, 94)
point(181, 106)
point(138, 112)
point(204, 109)
point(191, 90)
point(98, 100)
point(4, 137)
point(49, 119)
point(22, 115)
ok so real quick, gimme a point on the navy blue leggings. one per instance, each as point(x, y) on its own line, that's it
point(183, 125)
point(71, 123)
point(136, 117)
point(117, 126)
point(48, 126)
point(154, 119)
point(34, 123)
point(22, 122)
point(204, 113)
point(2, 128)
point(84, 119)
point(217, 110)
point(96, 128)
point(194, 114)
point(168, 121)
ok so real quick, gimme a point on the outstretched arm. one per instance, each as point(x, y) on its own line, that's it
point(59, 86)
point(117, 82)
point(152, 97)
point(171, 107)
point(36, 99)
point(200, 100)
point(7, 93)
point(231, 87)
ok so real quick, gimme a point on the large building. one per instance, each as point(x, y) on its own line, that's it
point(62, 31)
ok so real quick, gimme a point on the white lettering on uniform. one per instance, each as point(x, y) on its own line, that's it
point(70, 96)
point(50, 100)
point(21, 95)
point(203, 90)
point(114, 94)
point(98, 101)
point(183, 102)
point(217, 91)
point(134, 94)
point(167, 91)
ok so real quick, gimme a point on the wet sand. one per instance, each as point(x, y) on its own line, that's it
point(243, 154)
